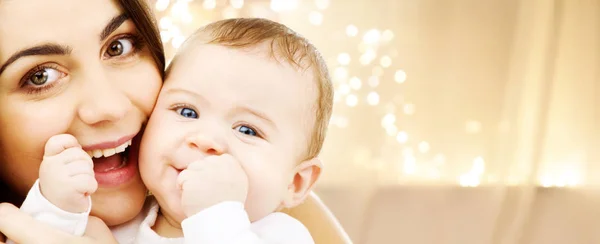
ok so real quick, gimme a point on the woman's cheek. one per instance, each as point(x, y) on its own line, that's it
point(21, 157)
point(25, 126)
point(143, 85)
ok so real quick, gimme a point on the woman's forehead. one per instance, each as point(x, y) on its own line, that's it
point(26, 23)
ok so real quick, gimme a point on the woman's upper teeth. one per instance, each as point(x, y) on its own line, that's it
point(97, 153)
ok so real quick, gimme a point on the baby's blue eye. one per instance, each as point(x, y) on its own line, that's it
point(188, 113)
point(246, 130)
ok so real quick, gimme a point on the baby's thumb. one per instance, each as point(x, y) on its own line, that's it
point(59, 143)
point(182, 178)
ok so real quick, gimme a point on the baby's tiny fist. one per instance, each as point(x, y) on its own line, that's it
point(67, 174)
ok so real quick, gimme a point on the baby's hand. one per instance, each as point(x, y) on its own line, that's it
point(67, 174)
point(212, 180)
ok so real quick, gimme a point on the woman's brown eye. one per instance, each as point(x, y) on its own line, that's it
point(115, 49)
point(120, 47)
point(39, 78)
point(44, 76)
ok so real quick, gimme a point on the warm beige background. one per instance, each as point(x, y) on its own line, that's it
point(499, 94)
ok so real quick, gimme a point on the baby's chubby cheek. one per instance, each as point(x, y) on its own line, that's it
point(266, 193)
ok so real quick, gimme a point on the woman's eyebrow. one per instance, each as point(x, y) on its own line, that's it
point(112, 25)
point(44, 49)
point(56, 49)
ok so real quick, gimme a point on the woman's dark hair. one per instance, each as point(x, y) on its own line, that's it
point(143, 18)
point(140, 13)
point(6, 195)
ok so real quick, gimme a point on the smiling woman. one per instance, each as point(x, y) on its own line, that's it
point(92, 74)
point(81, 79)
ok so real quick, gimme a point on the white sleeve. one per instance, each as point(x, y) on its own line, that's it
point(228, 222)
point(43, 210)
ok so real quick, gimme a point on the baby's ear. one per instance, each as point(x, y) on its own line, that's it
point(306, 175)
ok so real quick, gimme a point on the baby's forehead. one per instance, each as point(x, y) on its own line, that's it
point(204, 53)
point(211, 63)
point(293, 53)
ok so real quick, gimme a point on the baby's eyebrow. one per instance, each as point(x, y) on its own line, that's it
point(259, 114)
point(176, 90)
point(239, 109)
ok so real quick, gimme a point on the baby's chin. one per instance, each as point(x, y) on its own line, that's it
point(170, 207)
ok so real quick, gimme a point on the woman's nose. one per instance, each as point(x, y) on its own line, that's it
point(102, 101)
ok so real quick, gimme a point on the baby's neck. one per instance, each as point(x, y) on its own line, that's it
point(167, 227)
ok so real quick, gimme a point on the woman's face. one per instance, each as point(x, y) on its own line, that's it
point(75, 67)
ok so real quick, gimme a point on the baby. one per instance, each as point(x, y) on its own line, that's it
point(233, 138)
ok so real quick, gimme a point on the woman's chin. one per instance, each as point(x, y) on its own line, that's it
point(117, 206)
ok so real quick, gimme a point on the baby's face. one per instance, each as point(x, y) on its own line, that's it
point(247, 105)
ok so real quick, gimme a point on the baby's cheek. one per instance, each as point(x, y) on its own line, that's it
point(265, 194)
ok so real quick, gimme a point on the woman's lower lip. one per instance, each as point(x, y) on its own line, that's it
point(119, 176)
point(124, 174)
